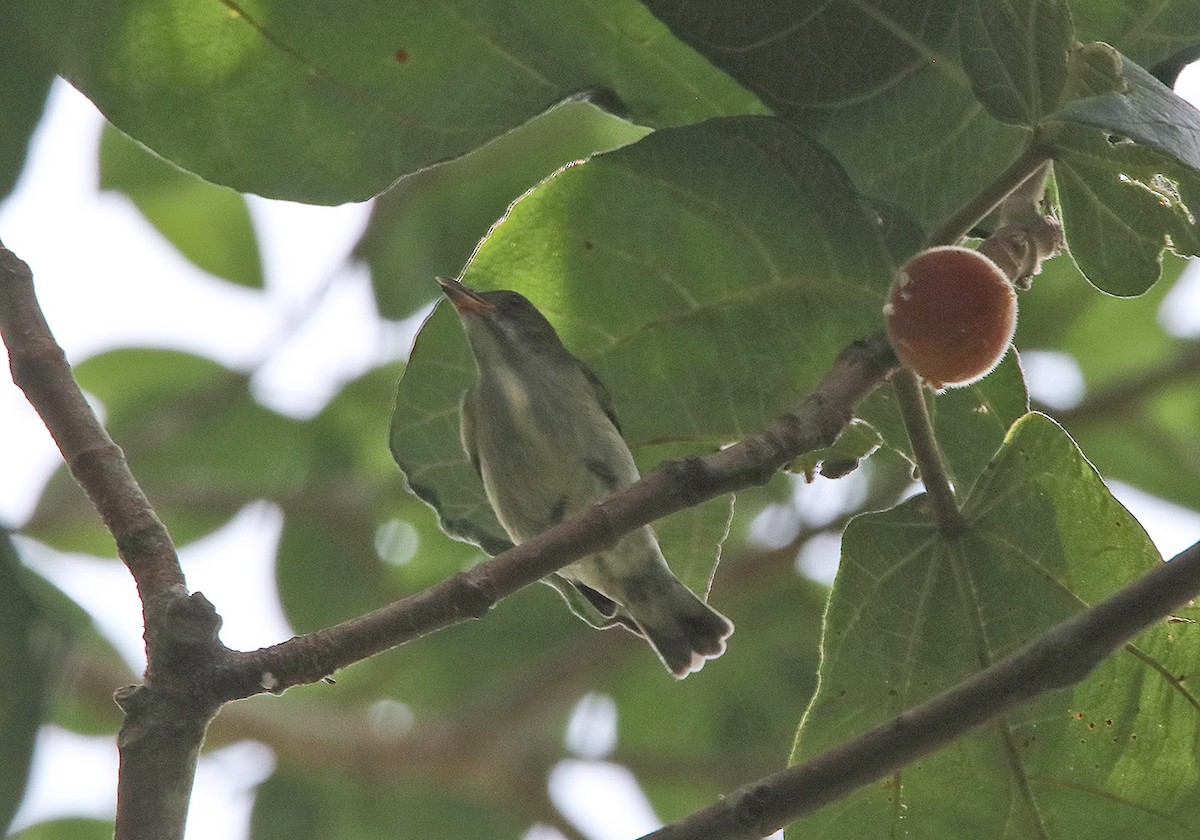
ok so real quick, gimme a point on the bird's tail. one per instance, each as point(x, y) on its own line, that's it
point(683, 630)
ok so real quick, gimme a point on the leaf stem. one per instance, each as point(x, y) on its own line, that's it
point(958, 226)
point(911, 398)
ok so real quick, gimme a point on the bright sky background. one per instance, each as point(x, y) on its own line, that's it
point(107, 279)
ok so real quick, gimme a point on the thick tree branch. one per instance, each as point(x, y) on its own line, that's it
point(1061, 657)
point(673, 486)
point(164, 719)
point(39, 368)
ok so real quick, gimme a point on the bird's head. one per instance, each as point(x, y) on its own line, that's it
point(506, 317)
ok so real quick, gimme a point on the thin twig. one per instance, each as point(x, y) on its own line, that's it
point(910, 396)
point(1059, 658)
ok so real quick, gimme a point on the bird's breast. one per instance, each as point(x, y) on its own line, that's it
point(546, 450)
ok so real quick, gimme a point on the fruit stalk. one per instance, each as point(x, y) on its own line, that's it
point(911, 397)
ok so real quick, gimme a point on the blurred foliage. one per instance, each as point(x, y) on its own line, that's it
point(710, 272)
point(24, 671)
point(209, 225)
point(67, 829)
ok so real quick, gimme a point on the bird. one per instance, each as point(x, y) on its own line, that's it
point(539, 428)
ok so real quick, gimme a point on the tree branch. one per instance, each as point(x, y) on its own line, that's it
point(673, 486)
point(39, 368)
point(164, 719)
point(1061, 657)
point(191, 674)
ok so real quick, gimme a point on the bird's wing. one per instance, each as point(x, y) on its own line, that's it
point(602, 394)
point(466, 429)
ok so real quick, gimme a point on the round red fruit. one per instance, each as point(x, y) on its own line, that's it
point(951, 316)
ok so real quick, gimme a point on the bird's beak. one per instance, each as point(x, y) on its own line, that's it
point(465, 300)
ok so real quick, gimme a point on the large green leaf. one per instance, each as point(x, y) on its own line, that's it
point(900, 94)
point(431, 221)
point(880, 84)
point(913, 613)
point(1127, 165)
point(1016, 55)
point(1122, 207)
point(701, 272)
point(329, 102)
point(1150, 33)
point(209, 225)
point(25, 78)
point(798, 54)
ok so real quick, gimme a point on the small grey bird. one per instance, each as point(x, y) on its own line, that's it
point(540, 429)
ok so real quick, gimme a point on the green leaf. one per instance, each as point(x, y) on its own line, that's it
point(702, 330)
point(74, 828)
point(25, 78)
point(912, 614)
point(1093, 69)
point(855, 442)
point(209, 225)
point(879, 84)
point(32, 645)
point(970, 423)
point(430, 222)
point(331, 103)
point(1122, 207)
point(1015, 53)
point(1145, 111)
point(1150, 35)
point(796, 55)
point(1127, 170)
point(1126, 388)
